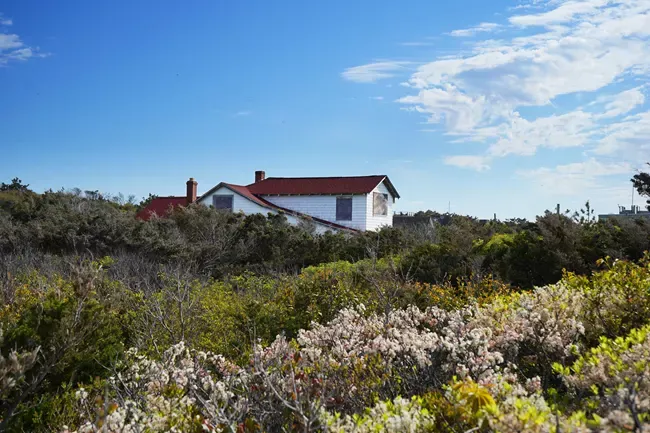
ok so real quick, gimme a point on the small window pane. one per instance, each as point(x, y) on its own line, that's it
point(222, 202)
point(344, 208)
point(379, 204)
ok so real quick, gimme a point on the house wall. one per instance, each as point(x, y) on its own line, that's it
point(374, 222)
point(324, 207)
point(244, 205)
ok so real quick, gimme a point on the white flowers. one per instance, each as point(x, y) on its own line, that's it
point(81, 394)
point(13, 367)
point(401, 334)
point(362, 359)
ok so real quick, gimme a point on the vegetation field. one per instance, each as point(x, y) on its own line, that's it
point(212, 321)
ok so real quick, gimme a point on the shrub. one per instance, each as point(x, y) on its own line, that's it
point(612, 380)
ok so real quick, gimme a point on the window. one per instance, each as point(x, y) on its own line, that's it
point(344, 208)
point(379, 203)
point(222, 202)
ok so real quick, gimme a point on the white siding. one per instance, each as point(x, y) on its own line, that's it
point(320, 228)
point(244, 205)
point(374, 222)
point(323, 207)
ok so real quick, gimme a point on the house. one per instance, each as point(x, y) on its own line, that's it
point(352, 203)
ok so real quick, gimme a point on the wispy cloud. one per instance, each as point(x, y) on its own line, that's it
point(621, 103)
point(481, 28)
point(12, 48)
point(564, 13)
point(474, 162)
point(243, 113)
point(374, 72)
point(571, 47)
point(565, 80)
point(417, 44)
point(575, 178)
point(377, 98)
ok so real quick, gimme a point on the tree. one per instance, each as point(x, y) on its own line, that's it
point(15, 185)
point(586, 216)
point(641, 182)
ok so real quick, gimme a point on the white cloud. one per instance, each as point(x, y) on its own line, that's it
point(243, 113)
point(575, 178)
point(373, 72)
point(12, 48)
point(459, 111)
point(563, 13)
point(629, 138)
point(563, 75)
point(8, 42)
point(473, 162)
point(483, 27)
point(377, 98)
point(582, 48)
point(523, 137)
point(621, 103)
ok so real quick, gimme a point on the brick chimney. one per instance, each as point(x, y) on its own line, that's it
point(191, 190)
point(259, 176)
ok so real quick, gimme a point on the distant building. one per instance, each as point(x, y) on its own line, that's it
point(409, 219)
point(633, 212)
point(353, 203)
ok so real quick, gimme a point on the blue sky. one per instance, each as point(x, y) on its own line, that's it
point(500, 107)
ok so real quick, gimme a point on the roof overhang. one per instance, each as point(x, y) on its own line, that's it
point(389, 185)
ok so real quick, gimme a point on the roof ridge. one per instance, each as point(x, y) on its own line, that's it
point(322, 177)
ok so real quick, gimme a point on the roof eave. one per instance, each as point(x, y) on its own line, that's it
point(390, 186)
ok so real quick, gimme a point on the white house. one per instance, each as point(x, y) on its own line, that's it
point(353, 203)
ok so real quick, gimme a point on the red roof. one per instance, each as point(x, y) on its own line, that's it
point(242, 190)
point(160, 206)
point(319, 185)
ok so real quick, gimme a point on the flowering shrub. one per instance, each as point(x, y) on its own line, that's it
point(509, 362)
point(487, 367)
point(13, 368)
point(613, 380)
point(182, 392)
point(616, 300)
point(398, 416)
point(533, 330)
